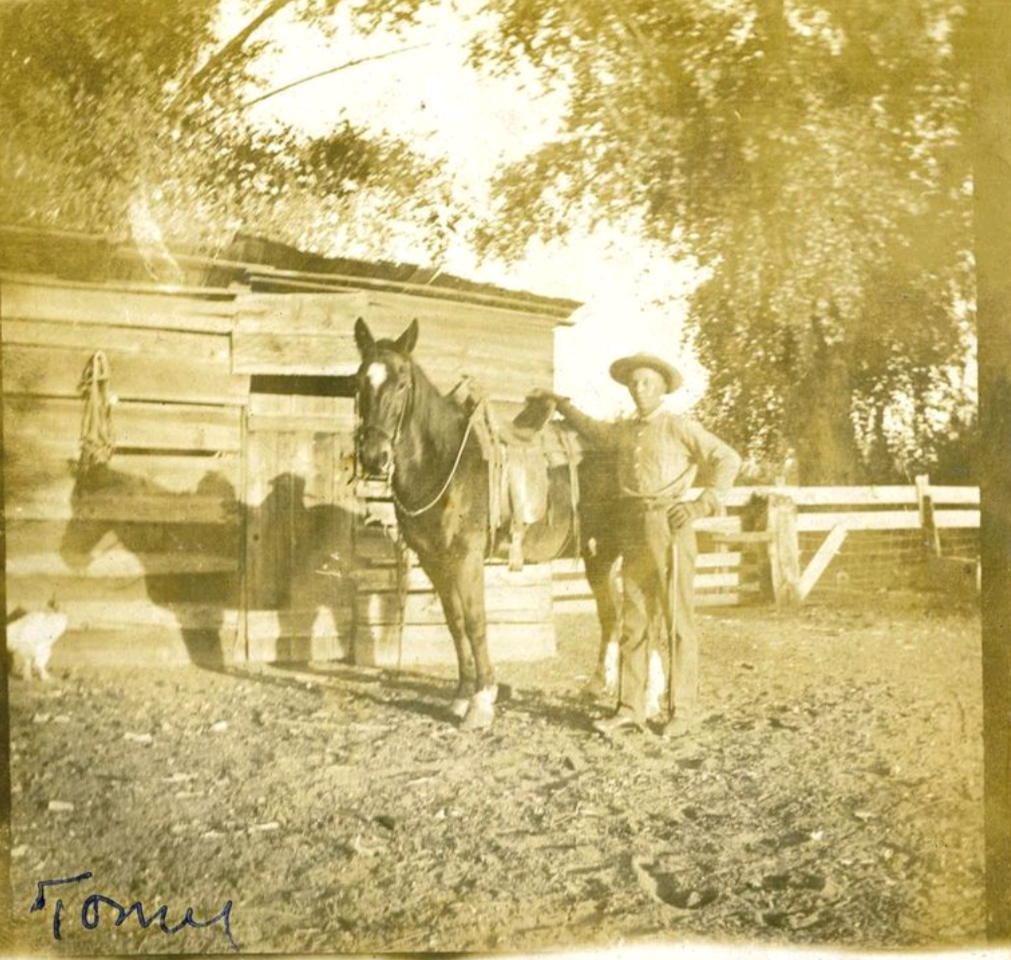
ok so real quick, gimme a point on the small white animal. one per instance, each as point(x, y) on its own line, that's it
point(30, 640)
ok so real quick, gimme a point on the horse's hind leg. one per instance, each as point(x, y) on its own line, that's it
point(602, 575)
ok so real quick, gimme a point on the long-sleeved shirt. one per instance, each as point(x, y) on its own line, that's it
point(659, 455)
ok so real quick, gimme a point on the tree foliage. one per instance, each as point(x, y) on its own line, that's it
point(811, 156)
point(116, 114)
point(808, 153)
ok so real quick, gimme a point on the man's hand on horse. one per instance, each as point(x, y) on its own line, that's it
point(686, 512)
point(541, 395)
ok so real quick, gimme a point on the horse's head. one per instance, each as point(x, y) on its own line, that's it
point(384, 390)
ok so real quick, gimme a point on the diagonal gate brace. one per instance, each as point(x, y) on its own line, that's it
point(822, 558)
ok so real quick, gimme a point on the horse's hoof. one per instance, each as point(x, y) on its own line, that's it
point(459, 707)
point(478, 718)
point(481, 711)
point(594, 687)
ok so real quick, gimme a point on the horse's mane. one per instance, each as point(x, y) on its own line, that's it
point(443, 416)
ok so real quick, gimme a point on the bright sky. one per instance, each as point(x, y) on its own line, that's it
point(633, 295)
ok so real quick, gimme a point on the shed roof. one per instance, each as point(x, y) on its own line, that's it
point(255, 263)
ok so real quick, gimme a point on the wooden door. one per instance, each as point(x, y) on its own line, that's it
point(300, 510)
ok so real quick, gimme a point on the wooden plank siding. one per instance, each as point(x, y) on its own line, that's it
point(46, 345)
point(55, 424)
point(152, 557)
point(119, 563)
point(384, 646)
point(37, 298)
point(505, 351)
point(305, 334)
point(301, 509)
point(210, 348)
point(507, 354)
point(50, 371)
point(411, 629)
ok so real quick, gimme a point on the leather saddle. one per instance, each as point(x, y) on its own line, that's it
point(526, 443)
point(520, 454)
point(526, 450)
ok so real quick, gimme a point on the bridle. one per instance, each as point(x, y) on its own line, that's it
point(384, 434)
point(365, 429)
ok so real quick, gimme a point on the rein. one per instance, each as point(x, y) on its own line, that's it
point(418, 511)
point(400, 505)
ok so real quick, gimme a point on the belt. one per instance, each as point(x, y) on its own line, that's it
point(649, 504)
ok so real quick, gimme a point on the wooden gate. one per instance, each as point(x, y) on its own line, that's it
point(300, 510)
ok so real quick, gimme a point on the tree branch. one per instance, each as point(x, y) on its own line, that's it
point(772, 16)
point(229, 50)
point(337, 69)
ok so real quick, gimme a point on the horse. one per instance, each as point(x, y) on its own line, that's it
point(425, 444)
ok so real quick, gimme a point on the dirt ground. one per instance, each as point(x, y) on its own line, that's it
point(832, 795)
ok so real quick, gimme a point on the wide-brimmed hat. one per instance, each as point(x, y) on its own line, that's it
point(622, 369)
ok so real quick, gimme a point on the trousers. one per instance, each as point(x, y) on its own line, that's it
point(646, 551)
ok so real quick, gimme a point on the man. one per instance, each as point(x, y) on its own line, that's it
point(658, 456)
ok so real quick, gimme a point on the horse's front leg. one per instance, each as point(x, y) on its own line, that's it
point(481, 712)
point(448, 590)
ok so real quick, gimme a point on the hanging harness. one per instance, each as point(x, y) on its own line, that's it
point(96, 422)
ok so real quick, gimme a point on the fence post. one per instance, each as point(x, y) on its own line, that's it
point(931, 536)
point(784, 549)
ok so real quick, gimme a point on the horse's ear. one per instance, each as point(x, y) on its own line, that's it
point(408, 339)
point(363, 336)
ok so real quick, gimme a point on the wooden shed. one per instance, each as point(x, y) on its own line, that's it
point(228, 523)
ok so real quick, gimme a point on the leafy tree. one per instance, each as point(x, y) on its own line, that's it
point(810, 155)
point(130, 118)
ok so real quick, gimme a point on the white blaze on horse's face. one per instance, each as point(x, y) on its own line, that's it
point(377, 374)
point(380, 416)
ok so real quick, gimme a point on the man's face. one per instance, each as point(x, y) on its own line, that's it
point(647, 387)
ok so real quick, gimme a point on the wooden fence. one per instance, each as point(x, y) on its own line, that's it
point(785, 544)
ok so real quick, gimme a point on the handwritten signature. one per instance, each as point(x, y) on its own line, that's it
point(90, 912)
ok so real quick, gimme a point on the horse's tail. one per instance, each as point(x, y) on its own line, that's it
point(573, 455)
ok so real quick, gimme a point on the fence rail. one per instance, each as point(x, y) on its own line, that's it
point(776, 543)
